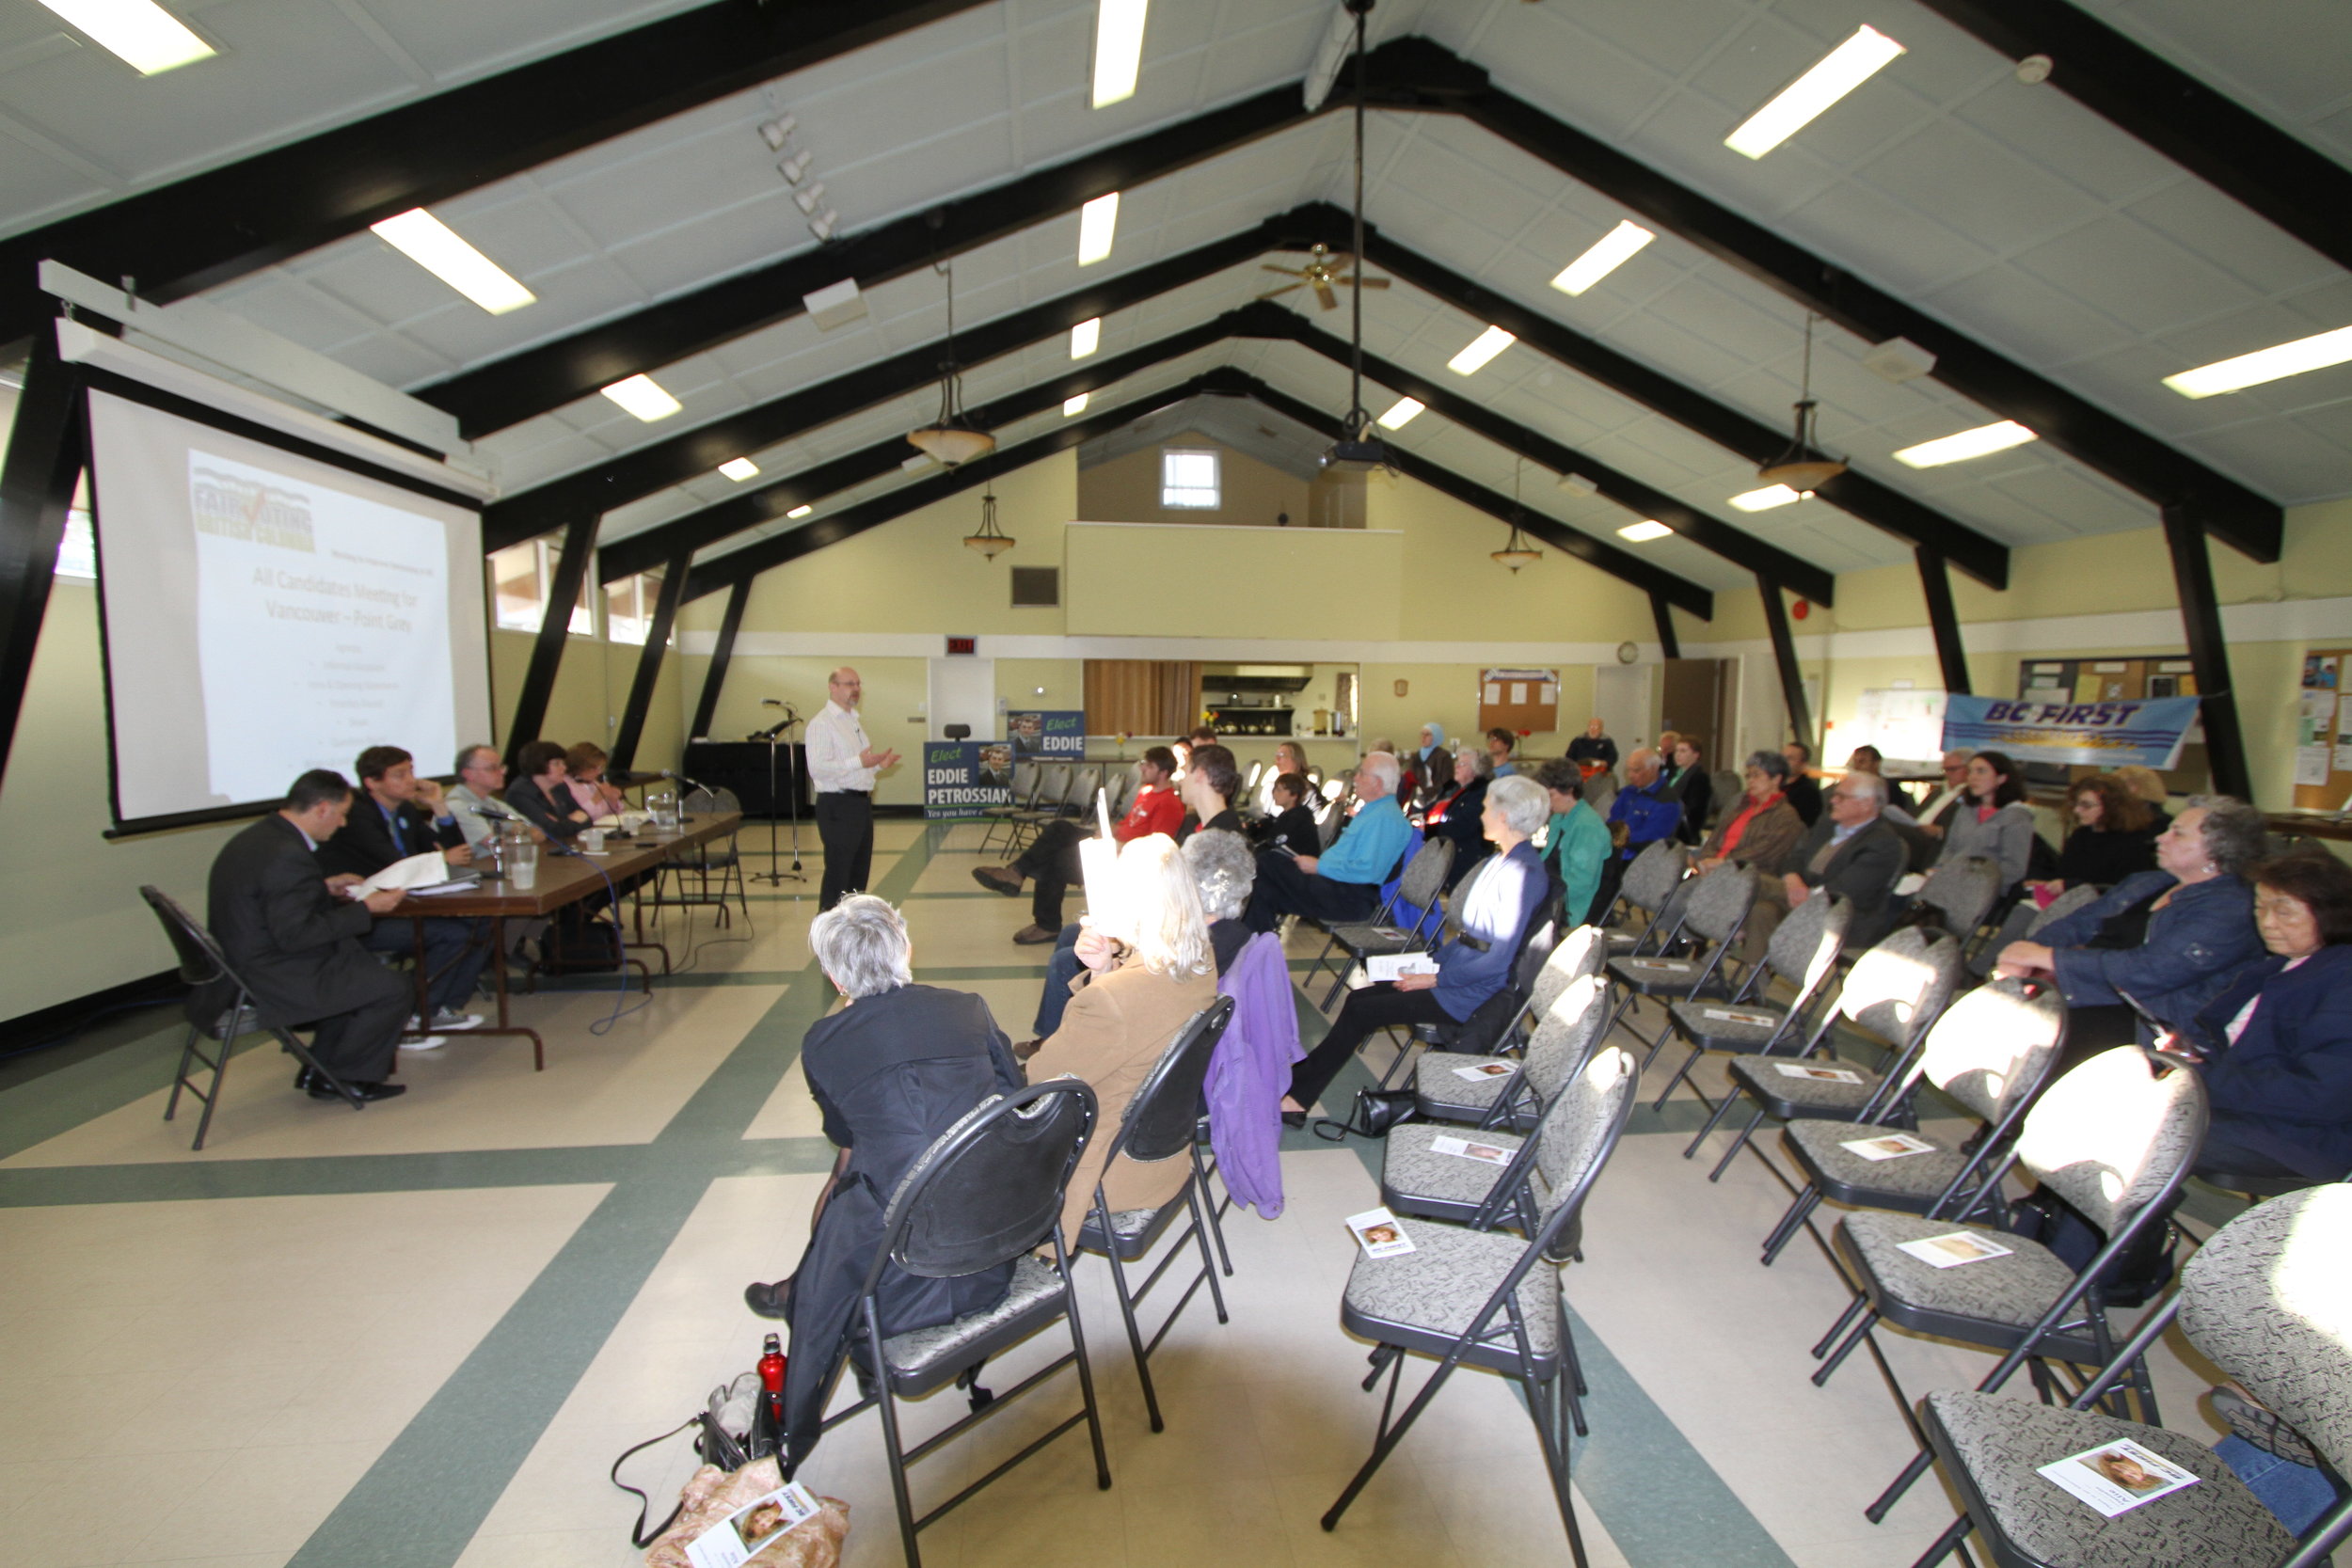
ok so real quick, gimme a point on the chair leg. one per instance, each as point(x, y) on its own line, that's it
point(1919, 1465)
point(1086, 1368)
point(1127, 1311)
point(1572, 1386)
point(212, 1100)
point(1193, 1195)
point(1854, 1308)
point(1216, 1210)
point(1944, 1543)
point(1837, 1358)
point(1737, 1144)
point(1555, 1446)
point(1672, 1083)
point(894, 1449)
point(187, 1054)
point(1385, 1444)
point(1800, 1209)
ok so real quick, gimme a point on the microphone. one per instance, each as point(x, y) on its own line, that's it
point(770, 701)
point(493, 815)
point(692, 784)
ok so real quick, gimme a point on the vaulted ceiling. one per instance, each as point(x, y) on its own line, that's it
point(2072, 263)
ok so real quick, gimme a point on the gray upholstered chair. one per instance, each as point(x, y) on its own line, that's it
point(1420, 887)
point(1028, 780)
point(1963, 893)
point(1715, 907)
point(1895, 991)
point(1803, 955)
point(2265, 1301)
point(1480, 1298)
point(1988, 1054)
point(1649, 884)
point(2025, 919)
point(2115, 1139)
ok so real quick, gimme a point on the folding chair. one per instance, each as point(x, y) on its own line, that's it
point(1803, 953)
point(202, 963)
point(1649, 884)
point(1421, 886)
point(1989, 1053)
point(1497, 1092)
point(2026, 919)
point(987, 1191)
point(1715, 907)
point(1062, 781)
point(1162, 1122)
point(2262, 1300)
point(1480, 1298)
point(1896, 989)
point(1963, 892)
point(1537, 941)
point(1028, 780)
point(701, 860)
point(2115, 1138)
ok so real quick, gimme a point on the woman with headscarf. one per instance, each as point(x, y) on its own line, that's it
point(1437, 763)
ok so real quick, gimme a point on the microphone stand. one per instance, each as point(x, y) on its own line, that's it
point(792, 804)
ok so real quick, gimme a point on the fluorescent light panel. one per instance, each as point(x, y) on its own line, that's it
point(1401, 413)
point(1766, 499)
point(1117, 49)
point(1835, 74)
point(1073, 407)
point(1645, 531)
point(643, 398)
point(434, 246)
point(2269, 364)
point(142, 34)
point(740, 469)
point(1086, 338)
point(1098, 226)
point(800, 512)
point(1966, 445)
point(1482, 348)
point(1607, 253)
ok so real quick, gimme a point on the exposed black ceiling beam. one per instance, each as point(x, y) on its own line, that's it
point(2125, 453)
point(760, 504)
point(1593, 552)
point(208, 229)
point(634, 475)
point(1732, 544)
point(510, 391)
point(1983, 558)
point(2231, 147)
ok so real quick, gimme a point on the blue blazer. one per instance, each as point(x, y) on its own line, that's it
point(2291, 1071)
point(1495, 906)
point(2194, 946)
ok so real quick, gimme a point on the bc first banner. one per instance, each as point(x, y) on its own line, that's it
point(962, 778)
point(2093, 735)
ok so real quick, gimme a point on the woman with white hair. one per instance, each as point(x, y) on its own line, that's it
point(1148, 969)
point(1224, 869)
point(1489, 915)
point(890, 1072)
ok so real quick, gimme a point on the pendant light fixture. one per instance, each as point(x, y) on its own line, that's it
point(1518, 552)
point(1803, 467)
point(991, 540)
point(952, 438)
point(1358, 450)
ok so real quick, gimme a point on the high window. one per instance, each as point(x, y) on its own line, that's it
point(1189, 479)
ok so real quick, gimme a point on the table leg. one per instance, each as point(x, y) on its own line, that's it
point(506, 1025)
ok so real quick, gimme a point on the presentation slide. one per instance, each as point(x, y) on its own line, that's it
point(267, 612)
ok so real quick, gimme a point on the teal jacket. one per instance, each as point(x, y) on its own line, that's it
point(1575, 848)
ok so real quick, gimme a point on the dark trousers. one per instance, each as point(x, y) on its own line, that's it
point(358, 1046)
point(1284, 889)
point(845, 825)
point(1060, 970)
point(1365, 1013)
point(454, 952)
point(2239, 1144)
point(1050, 861)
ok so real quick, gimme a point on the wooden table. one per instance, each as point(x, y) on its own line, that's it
point(562, 879)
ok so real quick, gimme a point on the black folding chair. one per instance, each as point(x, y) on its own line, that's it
point(201, 964)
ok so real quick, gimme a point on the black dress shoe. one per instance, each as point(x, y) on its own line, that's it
point(365, 1091)
point(302, 1078)
point(1294, 1118)
point(770, 1301)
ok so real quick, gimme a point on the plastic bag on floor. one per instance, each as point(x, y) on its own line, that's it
point(759, 1538)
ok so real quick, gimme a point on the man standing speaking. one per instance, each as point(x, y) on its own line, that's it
point(842, 764)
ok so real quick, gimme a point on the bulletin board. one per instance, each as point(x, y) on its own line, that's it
point(2323, 730)
point(1525, 701)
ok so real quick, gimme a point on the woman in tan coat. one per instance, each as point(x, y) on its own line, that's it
point(1760, 829)
point(1149, 968)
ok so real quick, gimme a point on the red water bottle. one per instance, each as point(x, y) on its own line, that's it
point(768, 1434)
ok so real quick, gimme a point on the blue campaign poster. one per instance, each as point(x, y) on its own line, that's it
point(961, 778)
point(1059, 734)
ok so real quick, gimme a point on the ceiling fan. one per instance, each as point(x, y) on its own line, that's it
point(1322, 273)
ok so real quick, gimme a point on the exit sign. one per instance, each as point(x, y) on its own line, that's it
point(963, 646)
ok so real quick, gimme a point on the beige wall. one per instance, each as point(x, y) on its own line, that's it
point(1127, 489)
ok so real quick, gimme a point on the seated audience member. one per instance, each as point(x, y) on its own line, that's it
point(1763, 830)
point(2149, 787)
point(2277, 1042)
point(1992, 821)
point(1147, 968)
point(1201, 735)
point(295, 937)
point(540, 798)
point(1693, 786)
point(1052, 857)
point(1207, 793)
point(1289, 757)
point(1648, 813)
point(1342, 882)
point(2114, 836)
point(890, 1072)
point(1488, 917)
point(1435, 766)
point(1455, 813)
point(1870, 759)
point(583, 773)
point(481, 777)
point(393, 816)
point(1853, 852)
point(1593, 752)
point(1803, 789)
point(2166, 940)
point(1224, 870)
point(1500, 744)
point(1937, 807)
point(1576, 841)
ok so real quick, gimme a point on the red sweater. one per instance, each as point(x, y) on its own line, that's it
point(1156, 810)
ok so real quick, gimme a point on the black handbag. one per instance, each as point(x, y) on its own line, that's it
point(1374, 1112)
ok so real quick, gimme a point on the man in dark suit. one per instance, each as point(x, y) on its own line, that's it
point(1854, 852)
point(295, 941)
point(1692, 786)
point(393, 816)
